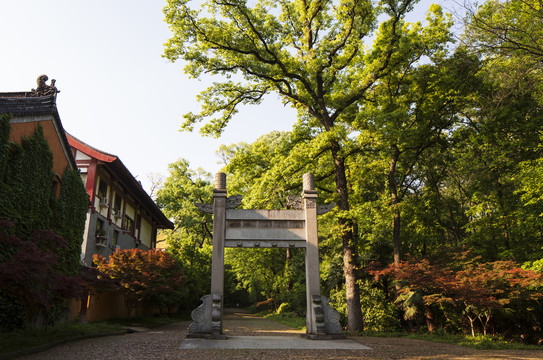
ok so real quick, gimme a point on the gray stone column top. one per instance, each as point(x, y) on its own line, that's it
point(220, 181)
point(309, 181)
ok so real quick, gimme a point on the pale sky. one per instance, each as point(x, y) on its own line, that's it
point(117, 93)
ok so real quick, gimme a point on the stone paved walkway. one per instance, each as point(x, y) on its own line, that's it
point(163, 343)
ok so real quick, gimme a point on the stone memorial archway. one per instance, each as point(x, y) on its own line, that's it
point(295, 228)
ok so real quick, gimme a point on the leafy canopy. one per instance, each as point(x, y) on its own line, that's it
point(314, 54)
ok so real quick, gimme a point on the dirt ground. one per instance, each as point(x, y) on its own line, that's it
point(163, 343)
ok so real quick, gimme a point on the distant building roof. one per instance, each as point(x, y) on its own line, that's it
point(39, 101)
point(117, 168)
point(27, 105)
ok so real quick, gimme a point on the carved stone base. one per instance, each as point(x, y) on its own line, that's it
point(318, 316)
point(325, 320)
point(331, 318)
point(201, 319)
point(216, 314)
point(207, 319)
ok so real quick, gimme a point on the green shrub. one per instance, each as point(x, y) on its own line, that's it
point(378, 313)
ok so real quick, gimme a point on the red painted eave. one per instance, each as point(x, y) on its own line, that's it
point(89, 150)
point(116, 167)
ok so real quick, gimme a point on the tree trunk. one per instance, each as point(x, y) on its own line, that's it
point(485, 323)
point(503, 210)
point(506, 242)
point(354, 311)
point(429, 318)
point(394, 201)
point(471, 323)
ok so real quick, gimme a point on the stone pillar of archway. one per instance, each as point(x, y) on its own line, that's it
point(312, 273)
point(217, 259)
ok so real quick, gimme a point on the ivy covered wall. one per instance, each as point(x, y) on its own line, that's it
point(27, 195)
point(68, 219)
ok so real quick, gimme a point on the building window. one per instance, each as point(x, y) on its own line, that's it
point(115, 240)
point(100, 233)
point(99, 227)
point(102, 189)
point(117, 203)
point(129, 225)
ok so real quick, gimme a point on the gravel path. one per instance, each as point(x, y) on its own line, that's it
point(163, 343)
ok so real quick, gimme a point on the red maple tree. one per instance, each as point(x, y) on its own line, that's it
point(29, 273)
point(476, 291)
point(151, 277)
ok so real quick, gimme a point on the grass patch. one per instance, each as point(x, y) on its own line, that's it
point(495, 343)
point(286, 318)
point(28, 338)
point(479, 342)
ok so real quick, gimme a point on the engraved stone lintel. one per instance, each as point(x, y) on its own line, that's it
point(323, 209)
point(201, 317)
point(207, 208)
point(220, 181)
point(233, 201)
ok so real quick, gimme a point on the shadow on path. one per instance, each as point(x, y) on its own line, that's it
point(249, 332)
point(239, 322)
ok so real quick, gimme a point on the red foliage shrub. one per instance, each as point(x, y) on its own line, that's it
point(152, 276)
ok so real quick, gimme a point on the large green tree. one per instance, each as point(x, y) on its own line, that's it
point(511, 27)
point(497, 157)
point(190, 241)
point(314, 54)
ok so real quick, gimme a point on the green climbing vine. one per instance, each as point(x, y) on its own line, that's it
point(69, 220)
point(27, 200)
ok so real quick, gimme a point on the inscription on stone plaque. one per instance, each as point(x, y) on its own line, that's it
point(265, 224)
point(249, 224)
point(233, 224)
point(258, 232)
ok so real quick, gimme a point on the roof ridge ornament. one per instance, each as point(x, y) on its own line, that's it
point(43, 89)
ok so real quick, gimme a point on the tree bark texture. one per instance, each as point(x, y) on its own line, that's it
point(429, 318)
point(394, 201)
point(354, 311)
